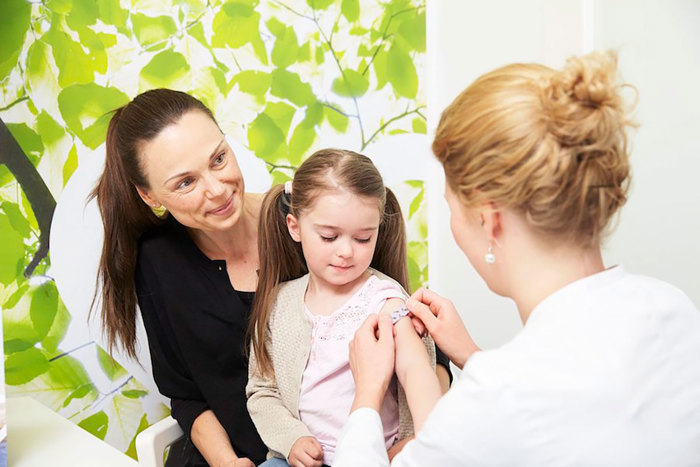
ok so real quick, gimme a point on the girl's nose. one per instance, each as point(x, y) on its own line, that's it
point(345, 249)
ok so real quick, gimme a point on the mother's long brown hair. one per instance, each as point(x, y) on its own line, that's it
point(281, 258)
point(124, 215)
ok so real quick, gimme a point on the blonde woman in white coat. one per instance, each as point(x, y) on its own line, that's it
point(606, 370)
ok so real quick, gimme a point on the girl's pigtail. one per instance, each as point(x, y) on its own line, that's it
point(390, 252)
point(281, 259)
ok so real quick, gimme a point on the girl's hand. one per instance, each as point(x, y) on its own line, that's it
point(442, 321)
point(372, 361)
point(306, 452)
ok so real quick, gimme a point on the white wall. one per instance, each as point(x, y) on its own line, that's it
point(659, 45)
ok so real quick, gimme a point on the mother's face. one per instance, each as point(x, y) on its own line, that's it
point(192, 171)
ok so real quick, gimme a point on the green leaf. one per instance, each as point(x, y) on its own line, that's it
point(5, 175)
point(286, 48)
point(351, 10)
point(288, 85)
point(111, 368)
point(112, 13)
point(79, 393)
point(58, 329)
point(237, 24)
point(96, 424)
point(209, 85)
point(358, 31)
point(22, 367)
point(50, 131)
point(415, 204)
point(150, 29)
point(337, 120)
point(70, 165)
point(351, 84)
point(302, 139)
point(276, 27)
point(413, 31)
point(168, 69)
point(414, 275)
point(15, 297)
point(86, 110)
point(279, 177)
point(380, 69)
point(82, 14)
point(313, 116)
point(12, 250)
point(28, 140)
point(131, 450)
point(134, 393)
point(197, 31)
point(44, 307)
point(282, 114)
point(319, 4)
point(74, 64)
point(401, 72)
point(15, 16)
point(304, 54)
point(65, 375)
point(17, 220)
point(264, 136)
point(252, 82)
point(320, 55)
point(108, 40)
point(419, 125)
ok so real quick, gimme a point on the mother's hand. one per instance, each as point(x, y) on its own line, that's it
point(372, 361)
point(442, 321)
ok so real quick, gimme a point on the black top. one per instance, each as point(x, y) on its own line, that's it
point(196, 323)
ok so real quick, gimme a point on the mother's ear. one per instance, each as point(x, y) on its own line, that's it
point(148, 198)
point(293, 227)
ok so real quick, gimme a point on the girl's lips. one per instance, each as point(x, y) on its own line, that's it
point(222, 209)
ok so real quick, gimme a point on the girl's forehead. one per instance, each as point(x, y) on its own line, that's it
point(343, 208)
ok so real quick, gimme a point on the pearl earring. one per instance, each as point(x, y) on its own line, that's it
point(489, 257)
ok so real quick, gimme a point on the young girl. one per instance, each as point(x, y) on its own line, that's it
point(329, 243)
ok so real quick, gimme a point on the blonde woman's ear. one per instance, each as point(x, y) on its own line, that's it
point(293, 227)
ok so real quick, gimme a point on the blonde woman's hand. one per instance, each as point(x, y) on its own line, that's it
point(306, 452)
point(371, 355)
point(442, 321)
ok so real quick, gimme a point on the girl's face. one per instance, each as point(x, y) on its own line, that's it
point(193, 173)
point(338, 235)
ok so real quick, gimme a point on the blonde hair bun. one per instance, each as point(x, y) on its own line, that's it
point(549, 144)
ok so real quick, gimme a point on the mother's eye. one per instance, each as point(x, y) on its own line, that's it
point(186, 183)
point(220, 158)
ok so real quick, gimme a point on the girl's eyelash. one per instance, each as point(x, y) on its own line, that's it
point(363, 240)
point(328, 239)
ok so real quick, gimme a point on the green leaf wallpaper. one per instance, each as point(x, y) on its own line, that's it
point(284, 78)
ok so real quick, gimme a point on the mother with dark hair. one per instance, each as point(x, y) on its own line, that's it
point(192, 271)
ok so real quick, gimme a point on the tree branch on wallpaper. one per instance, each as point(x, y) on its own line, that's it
point(40, 198)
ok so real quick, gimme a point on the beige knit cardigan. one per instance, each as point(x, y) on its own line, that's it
point(273, 402)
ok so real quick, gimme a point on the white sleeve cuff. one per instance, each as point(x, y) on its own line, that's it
point(362, 441)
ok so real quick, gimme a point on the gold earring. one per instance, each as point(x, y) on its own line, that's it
point(159, 210)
